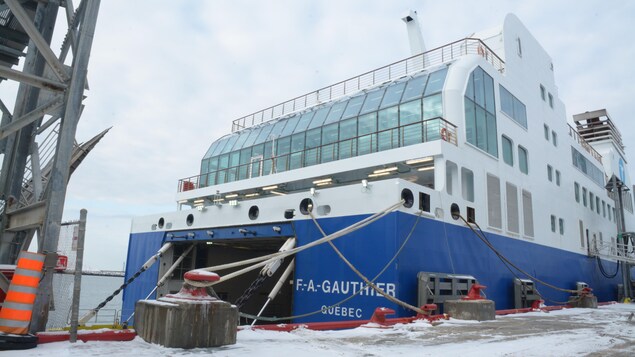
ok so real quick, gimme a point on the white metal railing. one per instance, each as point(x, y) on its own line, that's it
point(102, 317)
point(372, 78)
point(584, 144)
point(612, 250)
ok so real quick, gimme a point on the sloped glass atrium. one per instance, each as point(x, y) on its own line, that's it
point(400, 113)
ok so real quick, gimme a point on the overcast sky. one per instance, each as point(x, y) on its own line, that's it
point(170, 76)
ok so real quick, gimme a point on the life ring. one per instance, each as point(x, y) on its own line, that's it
point(481, 50)
point(444, 134)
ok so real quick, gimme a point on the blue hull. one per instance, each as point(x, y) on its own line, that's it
point(322, 279)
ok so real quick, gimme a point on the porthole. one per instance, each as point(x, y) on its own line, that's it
point(323, 210)
point(190, 219)
point(161, 222)
point(254, 211)
point(408, 197)
point(306, 206)
point(455, 211)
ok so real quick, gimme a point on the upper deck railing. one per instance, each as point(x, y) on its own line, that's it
point(372, 78)
point(585, 145)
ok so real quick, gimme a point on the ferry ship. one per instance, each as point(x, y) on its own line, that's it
point(452, 167)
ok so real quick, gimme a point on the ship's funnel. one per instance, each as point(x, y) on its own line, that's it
point(415, 37)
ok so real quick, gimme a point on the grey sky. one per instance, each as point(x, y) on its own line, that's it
point(171, 76)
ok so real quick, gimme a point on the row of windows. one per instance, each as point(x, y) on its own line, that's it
point(587, 167)
point(554, 136)
point(508, 155)
point(494, 208)
point(544, 95)
point(398, 117)
point(560, 224)
point(593, 202)
point(403, 125)
point(550, 175)
point(423, 85)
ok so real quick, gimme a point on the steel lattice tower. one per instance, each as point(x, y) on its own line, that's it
point(38, 150)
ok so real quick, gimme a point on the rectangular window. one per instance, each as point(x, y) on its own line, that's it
point(561, 225)
point(508, 154)
point(603, 209)
point(546, 127)
point(348, 128)
point(581, 233)
point(424, 202)
point(523, 160)
point(597, 204)
point(347, 148)
point(549, 173)
point(558, 177)
point(528, 214)
point(512, 208)
point(329, 133)
point(584, 196)
point(550, 100)
point(494, 201)
point(591, 201)
point(554, 138)
point(388, 118)
point(313, 138)
point(543, 93)
point(553, 223)
point(609, 209)
point(432, 107)
point(513, 107)
point(410, 112)
point(576, 189)
point(467, 183)
point(367, 124)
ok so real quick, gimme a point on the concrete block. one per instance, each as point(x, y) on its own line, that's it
point(183, 323)
point(584, 301)
point(479, 310)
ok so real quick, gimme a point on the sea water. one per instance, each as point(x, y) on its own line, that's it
point(94, 290)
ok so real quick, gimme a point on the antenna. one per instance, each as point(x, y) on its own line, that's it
point(415, 37)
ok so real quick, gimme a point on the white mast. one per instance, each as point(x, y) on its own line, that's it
point(417, 45)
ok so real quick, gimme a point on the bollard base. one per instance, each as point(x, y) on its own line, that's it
point(479, 310)
point(584, 301)
point(185, 323)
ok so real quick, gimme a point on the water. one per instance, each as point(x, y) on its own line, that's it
point(94, 290)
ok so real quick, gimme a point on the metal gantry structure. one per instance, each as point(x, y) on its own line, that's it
point(38, 150)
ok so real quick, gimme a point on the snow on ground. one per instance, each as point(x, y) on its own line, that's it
point(608, 330)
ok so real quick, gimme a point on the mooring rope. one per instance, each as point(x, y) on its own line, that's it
point(482, 237)
point(281, 255)
point(361, 289)
point(363, 277)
